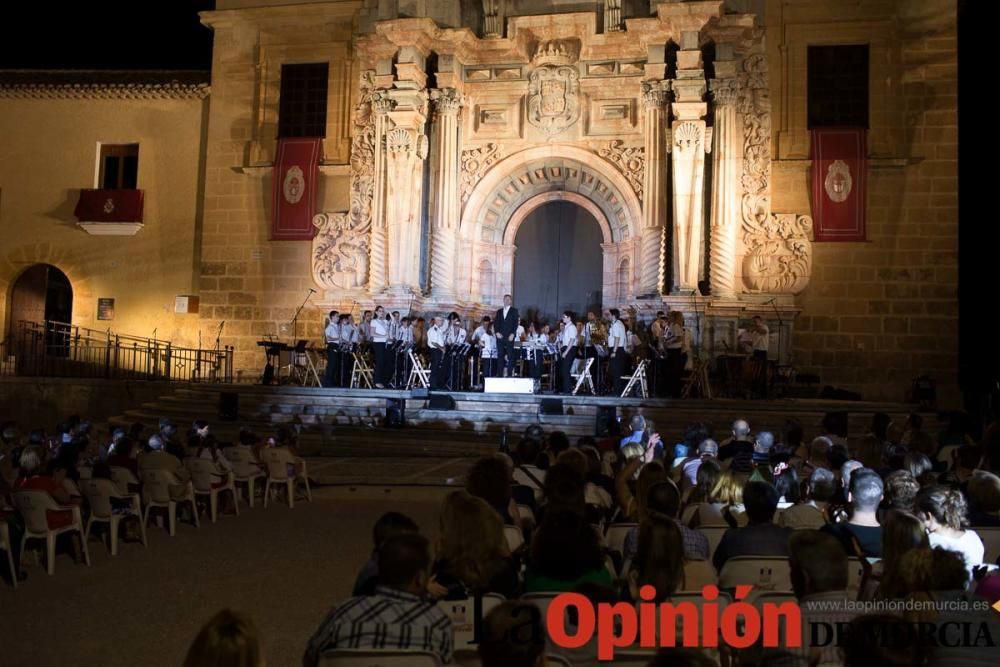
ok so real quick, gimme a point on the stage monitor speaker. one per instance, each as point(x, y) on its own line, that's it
point(551, 406)
point(607, 421)
point(229, 406)
point(395, 412)
point(441, 402)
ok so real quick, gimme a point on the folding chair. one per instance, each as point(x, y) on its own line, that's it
point(362, 373)
point(583, 378)
point(418, 373)
point(638, 377)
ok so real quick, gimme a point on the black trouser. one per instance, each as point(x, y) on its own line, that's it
point(537, 364)
point(617, 366)
point(378, 350)
point(760, 372)
point(331, 378)
point(505, 354)
point(437, 368)
point(488, 364)
point(675, 367)
point(346, 367)
point(565, 366)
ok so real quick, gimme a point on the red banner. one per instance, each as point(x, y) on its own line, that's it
point(109, 206)
point(294, 193)
point(839, 174)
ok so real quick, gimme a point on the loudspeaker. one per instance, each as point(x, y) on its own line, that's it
point(229, 406)
point(551, 406)
point(607, 421)
point(395, 413)
point(441, 402)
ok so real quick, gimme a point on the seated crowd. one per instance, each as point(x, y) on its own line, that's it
point(607, 518)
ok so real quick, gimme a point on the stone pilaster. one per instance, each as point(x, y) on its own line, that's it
point(654, 213)
point(726, 191)
point(377, 275)
point(444, 227)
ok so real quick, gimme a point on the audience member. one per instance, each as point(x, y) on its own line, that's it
point(228, 639)
point(984, 499)
point(565, 552)
point(513, 635)
point(760, 537)
point(901, 532)
point(945, 515)
point(861, 535)
point(810, 512)
point(388, 525)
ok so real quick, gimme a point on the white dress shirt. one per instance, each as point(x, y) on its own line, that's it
point(406, 335)
point(618, 337)
point(435, 338)
point(394, 327)
point(569, 336)
point(761, 338)
point(455, 336)
point(348, 334)
point(519, 334)
point(380, 331)
point(489, 350)
point(332, 332)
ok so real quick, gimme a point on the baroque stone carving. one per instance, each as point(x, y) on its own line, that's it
point(475, 163)
point(778, 253)
point(687, 135)
point(554, 98)
point(777, 250)
point(630, 160)
point(340, 251)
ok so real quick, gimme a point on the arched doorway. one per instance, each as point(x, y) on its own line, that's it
point(558, 263)
point(42, 292)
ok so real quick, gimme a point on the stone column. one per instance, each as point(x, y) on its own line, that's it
point(654, 184)
point(377, 276)
point(726, 191)
point(444, 225)
point(689, 144)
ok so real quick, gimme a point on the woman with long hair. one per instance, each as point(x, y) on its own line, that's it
point(901, 532)
point(472, 553)
point(702, 507)
point(659, 558)
point(945, 516)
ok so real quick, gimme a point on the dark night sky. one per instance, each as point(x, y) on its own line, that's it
point(109, 34)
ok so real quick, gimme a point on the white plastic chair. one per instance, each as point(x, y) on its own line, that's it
point(6, 546)
point(277, 475)
point(522, 477)
point(33, 506)
point(123, 478)
point(946, 454)
point(378, 658)
point(202, 471)
point(463, 618)
point(99, 493)
point(614, 539)
point(245, 470)
point(156, 493)
point(526, 513)
point(764, 573)
point(515, 538)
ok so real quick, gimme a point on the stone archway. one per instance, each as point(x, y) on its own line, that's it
point(522, 182)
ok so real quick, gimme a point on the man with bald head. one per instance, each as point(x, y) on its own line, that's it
point(740, 443)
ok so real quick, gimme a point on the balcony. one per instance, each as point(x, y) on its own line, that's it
point(107, 212)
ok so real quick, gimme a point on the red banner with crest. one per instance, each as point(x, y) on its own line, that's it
point(839, 177)
point(296, 169)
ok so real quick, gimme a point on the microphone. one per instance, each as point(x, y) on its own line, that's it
point(312, 291)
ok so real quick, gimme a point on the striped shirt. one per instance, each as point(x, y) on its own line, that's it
point(390, 619)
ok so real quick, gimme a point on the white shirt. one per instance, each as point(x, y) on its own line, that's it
point(348, 333)
point(506, 309)
point(618, 337)
point(393, 330)
point(406, 335)
point(537, 341)
point(435, 338)
point(969, 545)
point(569, 336)
point(519, 333)
point(760, 338)
point(674, 337)
point(332, 332)
point(489, 350)
point(380, 331)
point(455, 336)
point(478, 333)
point(364, 332)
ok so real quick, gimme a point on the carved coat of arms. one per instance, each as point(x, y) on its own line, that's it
point(838, 182)
point(554, 98)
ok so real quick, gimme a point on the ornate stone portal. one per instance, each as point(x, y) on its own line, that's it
point(544, 110)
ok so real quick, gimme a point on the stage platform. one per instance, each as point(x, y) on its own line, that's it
point(351, 422)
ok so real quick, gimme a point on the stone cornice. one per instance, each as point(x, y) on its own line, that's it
point(103, 85)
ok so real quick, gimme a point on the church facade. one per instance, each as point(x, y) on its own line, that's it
point(682, 131)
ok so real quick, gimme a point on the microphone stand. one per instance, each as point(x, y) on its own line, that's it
point(781, 326)
point(295, 318)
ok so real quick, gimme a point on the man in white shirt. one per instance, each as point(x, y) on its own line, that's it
point(348, 345)
point(479, 344)
point(331, 378)
point(760, 336)
point(617, 344)
point(567, 351)
point(454, 339)
point(436, 343)
point(380, 336)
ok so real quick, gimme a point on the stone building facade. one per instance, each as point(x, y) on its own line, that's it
point(680, 127)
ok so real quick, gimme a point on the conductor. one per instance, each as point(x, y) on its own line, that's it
point(505, 324)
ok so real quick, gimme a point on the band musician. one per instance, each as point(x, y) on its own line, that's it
point(617, 347)
point(436, 343)
point(331, 378)
point(567, 351)
point(505, 325)
point(760, 337)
